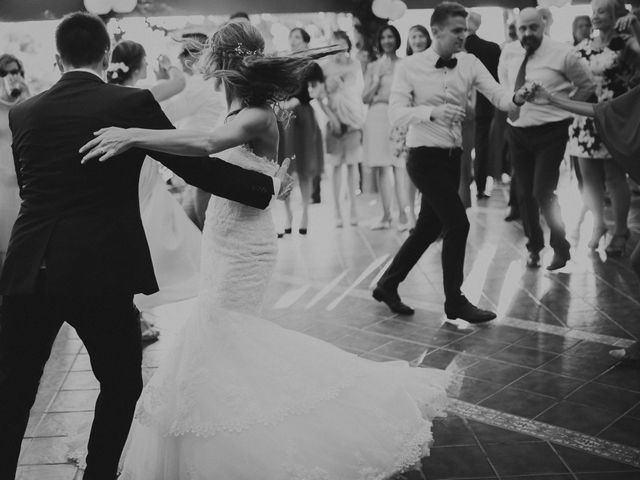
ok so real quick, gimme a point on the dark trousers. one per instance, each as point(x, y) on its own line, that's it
point(110, 330)
point(536, 153)
point(481, 143)
point(315, 189)
point(436, 174)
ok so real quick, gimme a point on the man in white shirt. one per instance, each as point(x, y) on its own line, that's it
point(430, 94)
point(537, 134)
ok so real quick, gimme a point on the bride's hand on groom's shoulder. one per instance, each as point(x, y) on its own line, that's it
point(109, 142)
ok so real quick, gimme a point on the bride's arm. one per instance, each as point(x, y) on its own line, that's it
point(249, 124)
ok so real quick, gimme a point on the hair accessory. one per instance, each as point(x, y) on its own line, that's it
point(118, 66)
point(242, 51)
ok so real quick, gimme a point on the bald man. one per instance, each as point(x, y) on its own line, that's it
point(537, 134)
point(489, 54)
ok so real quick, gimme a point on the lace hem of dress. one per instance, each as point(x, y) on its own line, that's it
point(156, 397)
point(412, 448)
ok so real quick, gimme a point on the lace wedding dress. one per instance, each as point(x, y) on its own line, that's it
point(241, 398)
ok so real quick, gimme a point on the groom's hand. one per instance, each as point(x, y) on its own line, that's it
point(286, 181)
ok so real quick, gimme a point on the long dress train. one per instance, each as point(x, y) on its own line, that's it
point(238, 397)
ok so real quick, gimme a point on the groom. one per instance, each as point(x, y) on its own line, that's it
point(78, 251)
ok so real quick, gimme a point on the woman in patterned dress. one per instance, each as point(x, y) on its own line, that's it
point(614, 58)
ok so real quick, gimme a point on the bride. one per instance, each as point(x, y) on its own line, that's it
point(239, 397)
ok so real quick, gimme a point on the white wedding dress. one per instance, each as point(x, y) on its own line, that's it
point(240, 398)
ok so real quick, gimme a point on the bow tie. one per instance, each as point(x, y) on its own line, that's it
point(450, 64)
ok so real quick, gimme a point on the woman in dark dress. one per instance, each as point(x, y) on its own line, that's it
point(302, 139)
point(617, 122)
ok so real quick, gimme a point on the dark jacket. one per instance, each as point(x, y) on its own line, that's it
point(489, 55)
point(83, 221)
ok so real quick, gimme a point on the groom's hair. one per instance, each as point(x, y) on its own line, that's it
point(82, 39)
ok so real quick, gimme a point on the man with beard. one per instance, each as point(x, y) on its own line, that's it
point(430, 94)
point(538, 134)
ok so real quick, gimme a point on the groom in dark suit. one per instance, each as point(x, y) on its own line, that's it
point(78, 251)
point(489, 55)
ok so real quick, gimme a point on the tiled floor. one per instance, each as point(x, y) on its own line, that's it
point(539, 396)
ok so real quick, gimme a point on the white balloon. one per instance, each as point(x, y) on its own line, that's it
point(124, 6)
point(381, 8)
point(397, 10)
point(99, 7)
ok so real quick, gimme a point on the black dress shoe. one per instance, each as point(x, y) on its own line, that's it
point(302, 231)
point(469, 312)
point(559, 260)
point(393, 301)
point(482, 196)
point(533, 261)
point(512, 216)
point(287, 231)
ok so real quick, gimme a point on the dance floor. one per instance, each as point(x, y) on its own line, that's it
point(539, 397)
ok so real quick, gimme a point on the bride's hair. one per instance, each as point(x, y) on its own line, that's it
point(126, 57)
point(235, 55)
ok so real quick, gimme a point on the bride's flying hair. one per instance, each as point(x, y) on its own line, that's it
point(235, 55)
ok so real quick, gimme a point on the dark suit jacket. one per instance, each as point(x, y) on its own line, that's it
point(489, 55)
point(83, 221)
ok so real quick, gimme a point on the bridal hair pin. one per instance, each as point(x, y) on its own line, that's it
point(241, 51)
point(113, 67)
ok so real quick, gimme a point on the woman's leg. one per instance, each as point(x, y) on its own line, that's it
point(336, 180)
point(593, 194)
point(616, 181)
point(401, 184)
point(352, 185)
point(305, 192)
point(383, 181)
point(288, 215)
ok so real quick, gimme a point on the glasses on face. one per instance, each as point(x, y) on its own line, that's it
point(15, 71)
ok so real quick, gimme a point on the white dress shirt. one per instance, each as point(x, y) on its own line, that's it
point(88, 70)
point(553, 65)
point(418, 87)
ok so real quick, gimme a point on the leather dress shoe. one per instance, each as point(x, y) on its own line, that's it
point(392, 300)
point(512, 215)
point(482, 196)
point(533, 260)
point(559, 260)
point(469, 312)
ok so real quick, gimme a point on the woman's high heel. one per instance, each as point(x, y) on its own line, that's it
point(618, 244)
point(597, 235)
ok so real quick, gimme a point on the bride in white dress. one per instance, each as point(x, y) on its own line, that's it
point(239, 397)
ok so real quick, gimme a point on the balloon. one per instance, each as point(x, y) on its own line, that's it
point(124, 6)
point(553, 3)
point(397, 10)
point(381, 8)
point(99, 7)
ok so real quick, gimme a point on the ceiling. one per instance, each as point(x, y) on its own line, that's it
point(20, 10)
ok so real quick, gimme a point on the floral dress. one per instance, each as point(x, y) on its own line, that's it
point(613, 77)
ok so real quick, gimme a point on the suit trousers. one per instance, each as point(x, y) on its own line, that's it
point(110, 330)
point(481, 162)
point(436, 174)
point(536, 153)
